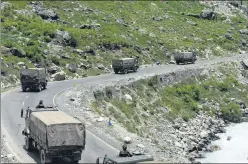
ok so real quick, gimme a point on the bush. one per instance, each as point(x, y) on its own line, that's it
point(231, 112)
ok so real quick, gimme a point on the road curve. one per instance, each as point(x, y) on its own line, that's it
point(13, 101)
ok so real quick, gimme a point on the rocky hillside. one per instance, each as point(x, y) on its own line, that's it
point(78, 39)
point(173, 116)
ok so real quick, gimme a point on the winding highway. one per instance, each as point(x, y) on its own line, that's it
point(13, 101)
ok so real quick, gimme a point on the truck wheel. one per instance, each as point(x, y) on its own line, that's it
point(75, 162)
point(116, 71)
point(125, 71)
point(135, 69)
point(28, 143)
point(24, 89)
point(43, 157)
point(177, 62)
point(39, 88)
point(45, 85)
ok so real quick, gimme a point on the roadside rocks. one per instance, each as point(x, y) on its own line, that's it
point(59, 76)
point(198, 134)
point(6, 157)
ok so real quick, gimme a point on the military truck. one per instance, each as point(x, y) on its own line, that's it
point(125, 64)
point(137, 159)
point(56, 135)
point(185, 57)
point(33, 78)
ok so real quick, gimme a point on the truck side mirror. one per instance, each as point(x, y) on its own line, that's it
point(22, 113)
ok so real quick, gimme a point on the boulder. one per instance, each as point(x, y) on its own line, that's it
point(228, 36)
point(53, 69)
point(47, 14)
point(72, 67)
point(229, 138)
point(208, 14)
point(64, 38)
point(101, 67)
point(18, 52)
point(59, 76)
point(90, 26)
point(243, 31)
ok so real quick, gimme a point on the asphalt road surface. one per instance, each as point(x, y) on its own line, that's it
point(13, 101)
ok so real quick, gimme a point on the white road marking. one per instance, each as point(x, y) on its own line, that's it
point(23, 103)
point(26, 97)
point(86, 130)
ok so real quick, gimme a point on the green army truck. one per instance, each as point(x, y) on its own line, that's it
point(54, 134)
point(33, 78)
point(125, 64)
point(185, 57)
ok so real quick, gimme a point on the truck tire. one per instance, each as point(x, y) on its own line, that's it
point(45, 85)
point(39, 88)
point(177, 62)
point(75, 162)
point(24, 89)
point(44, 157)
point(135, 69)
point(116, 71)
point(28, 143)
point(125, 71)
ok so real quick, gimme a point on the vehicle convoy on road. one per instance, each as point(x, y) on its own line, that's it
point(33, 78)
point(54, 134)
point(185, 57)
point(125, 64)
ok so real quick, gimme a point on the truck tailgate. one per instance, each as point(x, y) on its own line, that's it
point(66, 135)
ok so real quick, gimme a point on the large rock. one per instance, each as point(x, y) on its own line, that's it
point(72, 67)
point(47, 14)
point(64, 38)
point(208, 14)
point(243, 31)
point(53, 69)
point(59, 76)
point(18, 52)
point(90, 26)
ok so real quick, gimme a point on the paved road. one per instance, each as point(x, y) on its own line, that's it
point(14, 100)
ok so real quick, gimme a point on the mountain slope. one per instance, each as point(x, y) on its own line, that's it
point(82, 37)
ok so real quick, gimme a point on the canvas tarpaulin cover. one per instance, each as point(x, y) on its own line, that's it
point(29, 73)
point(65, 135)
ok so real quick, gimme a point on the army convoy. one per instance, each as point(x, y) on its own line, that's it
point(54, 134)
point(125, 64)
point(185, 57)
point(33, 78)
